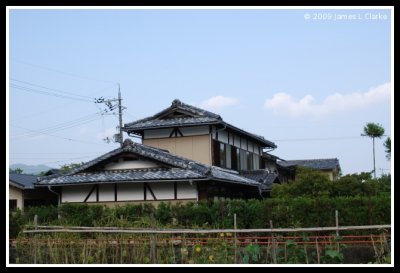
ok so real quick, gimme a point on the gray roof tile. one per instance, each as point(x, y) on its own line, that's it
point(200, 117)
point(319, 164)
point(263, 176)
point(121, 176)
point(177, 167)
point(23, 180)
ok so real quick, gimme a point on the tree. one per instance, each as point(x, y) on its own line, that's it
point(373, 130)
point(17, 170)
point(68, 167)
point(388, 147)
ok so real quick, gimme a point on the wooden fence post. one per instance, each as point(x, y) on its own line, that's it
point(35, 223)
point(235, 236)
point(337, 222)
point(153, 243)
point(273, 243)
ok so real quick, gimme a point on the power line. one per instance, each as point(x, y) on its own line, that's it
point(53, 153)
point(314, 139)
point(64, 125)
point(32, 90)
point(52, 89)
point(61, 72)
point(70, 139)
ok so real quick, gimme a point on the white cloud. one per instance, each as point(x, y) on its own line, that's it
point(285, 105)
point(218, 102)
point(107, 133)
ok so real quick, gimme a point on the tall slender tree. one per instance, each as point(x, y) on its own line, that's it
point(373, 130)
point(388, 147)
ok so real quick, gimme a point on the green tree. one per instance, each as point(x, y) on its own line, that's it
point(373, 130)
point(68, 167)
point(17, 170)
point(388, 147)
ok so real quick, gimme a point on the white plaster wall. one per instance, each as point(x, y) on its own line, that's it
point(223, 136)
point(77, 194)
point(15, 193)
point(106, 192)
point(186, 191)
point(162, 190)
point(134, 164)
point(250, 147)
point(157, 133)
point(130, 192)
point(244, 144)
point(236, 140)
point(194, 131)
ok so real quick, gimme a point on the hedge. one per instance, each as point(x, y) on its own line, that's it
point(294, 212)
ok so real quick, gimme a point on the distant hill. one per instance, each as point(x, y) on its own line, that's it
point(31, 169)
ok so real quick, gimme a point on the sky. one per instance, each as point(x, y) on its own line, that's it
point(307, 79)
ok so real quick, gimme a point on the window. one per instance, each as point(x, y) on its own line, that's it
point(235, 158)
point(249, 161)
point(12, 204)
point(243, 160)
point(222, 155)
point(219, 154)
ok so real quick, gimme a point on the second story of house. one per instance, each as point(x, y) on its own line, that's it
point(200, 135)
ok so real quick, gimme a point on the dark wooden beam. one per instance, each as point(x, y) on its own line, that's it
point(90, 193)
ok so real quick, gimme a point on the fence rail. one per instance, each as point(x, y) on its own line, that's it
point(52, 229)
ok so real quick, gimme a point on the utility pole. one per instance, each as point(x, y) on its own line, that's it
point(111, 107)
point(121, 139)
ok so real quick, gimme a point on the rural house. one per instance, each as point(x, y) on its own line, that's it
point(22, 192)
point(187, 154)
point(137, 172)
point(329, 166)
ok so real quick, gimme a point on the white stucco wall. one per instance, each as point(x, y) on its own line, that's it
point(186, 191)
point(129, 192)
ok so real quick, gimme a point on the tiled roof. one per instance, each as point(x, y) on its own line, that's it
point(163, 123)
point(177, 168)
point(262, 176)
point(196, 116)
point(319, 164)
point(24, 181)
point(119, 176)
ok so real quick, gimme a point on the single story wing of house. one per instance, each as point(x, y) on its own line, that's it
point(22, 192)
point(330, 166)
point(138, 173)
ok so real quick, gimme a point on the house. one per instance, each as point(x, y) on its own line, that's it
point(22, 192)
point(186, 154)
point(136, 173)
point(329, 166)
point(202, 136)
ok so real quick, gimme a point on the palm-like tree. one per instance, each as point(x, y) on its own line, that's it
point(373, 130)
point(388, 144)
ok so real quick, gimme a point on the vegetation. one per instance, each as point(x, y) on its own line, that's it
point(16, 170)
point(373, 130)
point(388, 147)
point(310, 201)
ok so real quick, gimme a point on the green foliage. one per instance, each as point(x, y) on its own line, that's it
point(16, 170)
point(374, 130)
point(388, 147)
point(308, 182)
point(46, 214)
point(163, 213)
point(252, 254)
point(16, 222)
point(68, 167)
point(332, 257)
point(313, 183)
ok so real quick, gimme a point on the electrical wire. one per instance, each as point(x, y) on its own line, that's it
point(70, 139)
